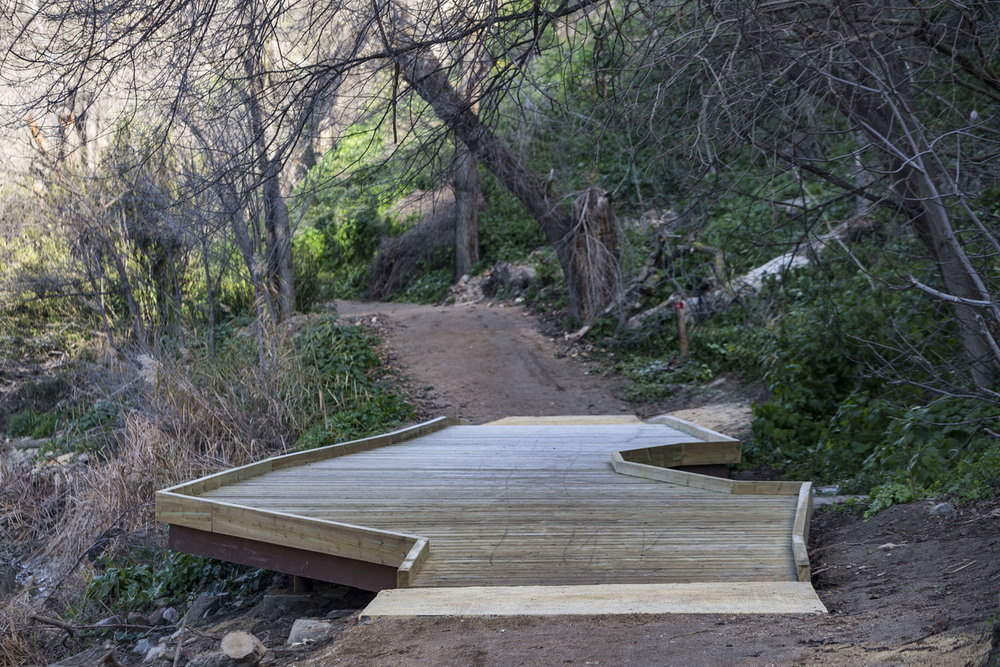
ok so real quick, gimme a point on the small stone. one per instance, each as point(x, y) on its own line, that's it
point(339, 613)
point(110, 620)
point(212, 659)
point(143, 646)
point(942, 509)
point(171, 615)
point(243, 647)
point(308, 629)
point(135, 618)
point(156, 618)
point(204, 606)
point(157, 652)
point(888, 546)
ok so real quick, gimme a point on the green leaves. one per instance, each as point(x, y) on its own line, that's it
point(349, 400)
point(135, 586)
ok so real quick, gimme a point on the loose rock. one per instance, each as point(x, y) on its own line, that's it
point(243, 647)
point(943, 509)
point(212, 659)
point(135, 618)
point(158, 652)
point(308, 629)
point(110, 620)
point(171, 615)
point(143, 646)
point(204, 606)
point(156, 618)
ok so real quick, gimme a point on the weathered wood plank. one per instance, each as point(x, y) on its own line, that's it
point(181, 510)
point(703, 598)
point(415, 559)
point(278, 557)
point(685, 454)
point(236, 475)
point(678, 477)
point(800, 532)
point(312, 534)
point(684, 426)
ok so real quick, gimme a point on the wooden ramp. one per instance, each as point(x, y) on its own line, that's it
point(586, 510)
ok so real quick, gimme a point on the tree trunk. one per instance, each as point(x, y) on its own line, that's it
point(278, 233)
point(577, 258)
point(277, 229)
point(960, 279)
point(882, 106)
point(899, 134)
point(466, 211)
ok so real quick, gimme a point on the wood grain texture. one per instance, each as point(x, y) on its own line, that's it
point(709, 598)
point(513, 504)
point(800, 532)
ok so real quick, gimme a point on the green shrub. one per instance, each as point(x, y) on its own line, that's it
point(123, 587)
point(893, 493)
point(350, 400)
point(140, 585)
point(429, 287)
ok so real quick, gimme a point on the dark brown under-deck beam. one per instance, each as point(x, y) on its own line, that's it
point(289, 560)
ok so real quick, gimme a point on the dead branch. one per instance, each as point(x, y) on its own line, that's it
point(750, 283)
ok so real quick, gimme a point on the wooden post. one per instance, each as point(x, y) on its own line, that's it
point(681, 328)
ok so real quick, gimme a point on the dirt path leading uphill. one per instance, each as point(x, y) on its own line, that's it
point(486, 362)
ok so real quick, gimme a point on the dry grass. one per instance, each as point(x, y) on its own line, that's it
point(181, 418)
point(21, 642)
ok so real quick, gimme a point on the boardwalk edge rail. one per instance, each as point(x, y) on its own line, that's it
point(658, 463)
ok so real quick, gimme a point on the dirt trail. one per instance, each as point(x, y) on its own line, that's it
point(484, 362)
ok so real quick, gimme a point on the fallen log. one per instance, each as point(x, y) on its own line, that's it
point(750, 284)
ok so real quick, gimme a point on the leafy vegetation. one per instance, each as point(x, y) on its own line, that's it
point(351, 398)
point(168, 579)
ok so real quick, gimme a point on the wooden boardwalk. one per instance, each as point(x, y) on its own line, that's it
point(506, 504)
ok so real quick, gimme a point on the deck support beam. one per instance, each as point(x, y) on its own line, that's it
point(279, 558)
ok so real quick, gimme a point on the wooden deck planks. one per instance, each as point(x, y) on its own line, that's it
point(519, 504)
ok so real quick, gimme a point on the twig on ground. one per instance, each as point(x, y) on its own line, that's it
point(180, 642)
point(70, 628)
point(959, 569)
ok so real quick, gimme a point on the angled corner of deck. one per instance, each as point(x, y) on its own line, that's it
point(659, 463)
point(325, 550)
